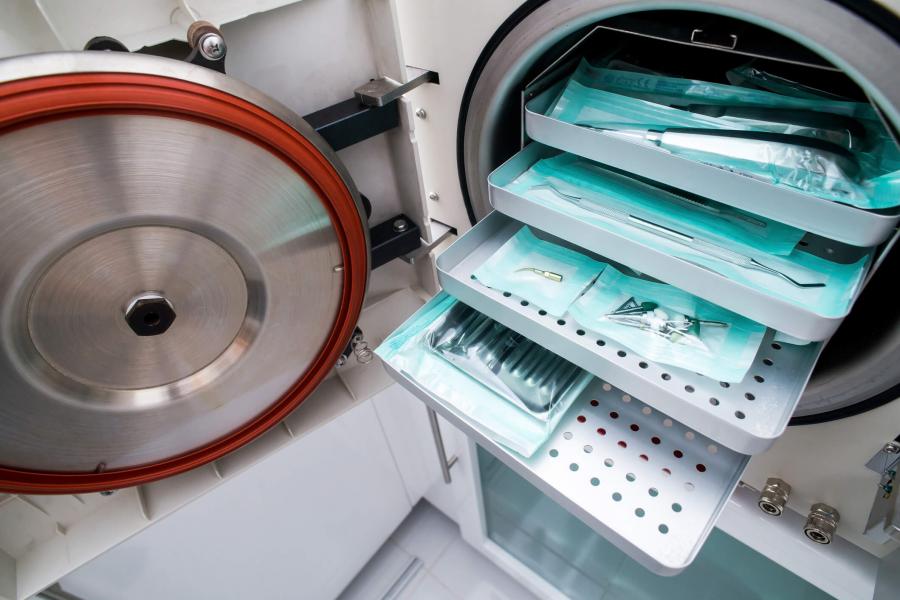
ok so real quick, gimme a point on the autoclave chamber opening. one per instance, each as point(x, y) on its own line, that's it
point(854, 373)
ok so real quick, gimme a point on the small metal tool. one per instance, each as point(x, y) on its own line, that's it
point(545, 274)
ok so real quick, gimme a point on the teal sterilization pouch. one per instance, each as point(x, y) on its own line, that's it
point(541, 272)
point(837, 282)
point(572, 177)
point(506, 386)
point(833, 149)
point(669, 326)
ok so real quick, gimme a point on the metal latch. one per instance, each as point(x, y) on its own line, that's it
point(385, 90)
point(884, 518)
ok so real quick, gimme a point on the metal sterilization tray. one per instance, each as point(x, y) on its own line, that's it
point(794, 319)
point(833, 220)
point(746, 416)
point(645, 482)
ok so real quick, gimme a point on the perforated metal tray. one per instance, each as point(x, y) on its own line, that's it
point(793, 319)
point(833, 220)
point(746, 416)
point(648, 484)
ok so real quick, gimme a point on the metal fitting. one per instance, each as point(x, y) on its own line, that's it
point(400, 225)
point(149, 313)
point(774, 496)
point(421, 113)
point(891, 448)
point(434, 197)
point(821, 523)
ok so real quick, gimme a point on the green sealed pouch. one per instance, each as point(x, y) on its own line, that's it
point(541, 272)
point(669, 326)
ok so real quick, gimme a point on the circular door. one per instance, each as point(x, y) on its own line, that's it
point(182, 261)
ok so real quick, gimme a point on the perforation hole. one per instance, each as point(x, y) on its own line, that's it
point(666, 471)
point(588, 449)
point(749, 396)
point(595, 482)
point(712, 448)
point(560, 322)
point(667, 422)
point(701, 467)
point(677, 453)
point(643, 365)
point(714, 401)
point(676, 507)
point(666, 376)
point(645, 458)
point(567, 435)
point(601, 431)
point(646, 410)
point(739, 414)
point(689, 435)
point(524, 302)
point(506, 294)
point(630, 476)
point(688, 486)
point(689, 389)
point(622, 444)
point(639, 512)
point(609, 462)
point(768, 362)
point(554, 453)
point(580, 331)
point(617, 496)
point(621, 354)
point(776, 346)
point(725, 384)
point(595, 403)
point(581, 418)
point(573, 467)
point(472, 277)
point(626, 398)
point(653, 492)
point(663, 528)
point(759, 378)
point(606, 387)
point(542, 312)
point(634, 427)
point(656, 441)
point(613, 415)
point(601, 343)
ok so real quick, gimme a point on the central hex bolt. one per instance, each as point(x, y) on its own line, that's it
point(149, 313)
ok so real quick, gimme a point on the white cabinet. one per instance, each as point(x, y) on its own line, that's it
point(302, 522)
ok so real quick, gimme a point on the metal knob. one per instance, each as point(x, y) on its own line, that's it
point(821, 523)
point(774, 496)
point(150, 313)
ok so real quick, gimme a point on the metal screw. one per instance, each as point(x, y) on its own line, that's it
point(400, 225)
point(421, 113)
point(150, 313)
point(821, 523)
point(891, 448)
point(433, 196)
point(212, 46)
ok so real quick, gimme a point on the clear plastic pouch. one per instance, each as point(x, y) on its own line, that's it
point(833, 149)
point(575, 177)
point(669, 326)
point(541, 272)
point(506, 385)
point(839, 282)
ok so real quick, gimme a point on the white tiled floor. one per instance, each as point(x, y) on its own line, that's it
point(450, 569)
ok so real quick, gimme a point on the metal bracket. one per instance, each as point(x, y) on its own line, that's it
point(384, 90)
point(446, 464)
point(392, 239)
point(440, 232)
point(883, 523)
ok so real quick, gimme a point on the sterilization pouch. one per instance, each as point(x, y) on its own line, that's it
point(574, 176)
point(841, 281)
point(652, 108)
point(541, 272)
point(669, 326)
point(506, 386)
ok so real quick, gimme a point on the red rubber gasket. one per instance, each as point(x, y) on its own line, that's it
point(28, 102)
